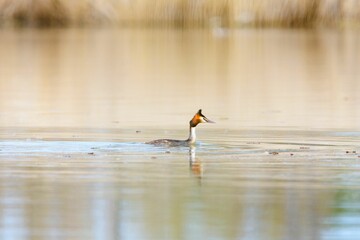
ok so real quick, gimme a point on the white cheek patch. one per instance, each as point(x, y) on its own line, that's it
point(202, 120)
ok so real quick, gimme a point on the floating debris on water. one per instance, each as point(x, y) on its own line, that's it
point(274, 153)
point(348, 152)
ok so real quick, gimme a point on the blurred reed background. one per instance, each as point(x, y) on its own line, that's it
point(181, 13)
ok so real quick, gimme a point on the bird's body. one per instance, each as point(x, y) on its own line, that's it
point(198, 118)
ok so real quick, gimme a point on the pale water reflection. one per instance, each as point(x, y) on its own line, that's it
point(256, 188)
point(77, 105)
point(120, 78)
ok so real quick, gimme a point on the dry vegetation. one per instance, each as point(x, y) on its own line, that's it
point(183, 13)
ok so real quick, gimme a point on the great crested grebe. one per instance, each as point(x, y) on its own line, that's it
point(198, 118)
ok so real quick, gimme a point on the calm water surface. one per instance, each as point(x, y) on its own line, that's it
point(282, 162)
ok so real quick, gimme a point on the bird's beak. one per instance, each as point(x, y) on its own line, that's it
point(208, 120)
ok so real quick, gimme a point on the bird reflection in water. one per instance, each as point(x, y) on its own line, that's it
point(196, 166)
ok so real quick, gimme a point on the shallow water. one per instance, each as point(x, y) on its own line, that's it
point(281, 162)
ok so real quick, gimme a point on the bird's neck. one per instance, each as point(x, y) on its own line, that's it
point(192, 135)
